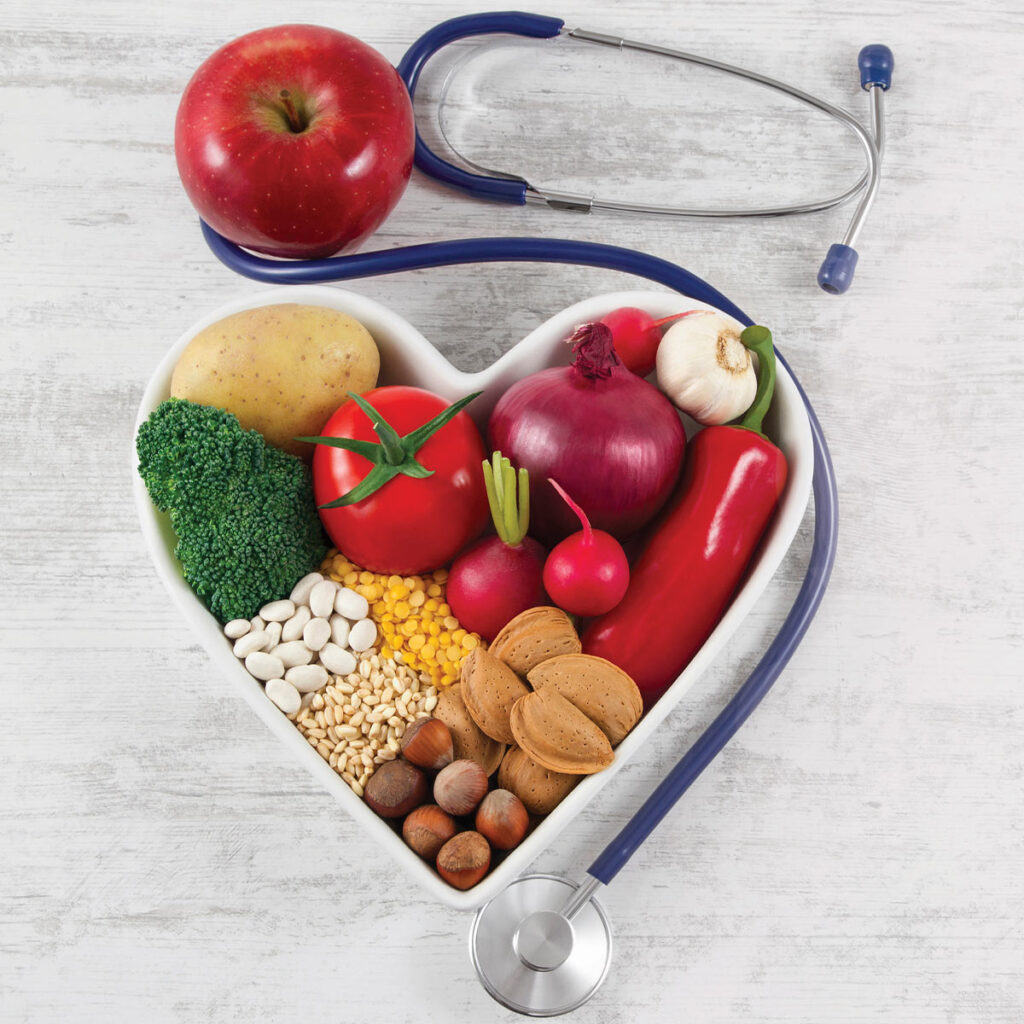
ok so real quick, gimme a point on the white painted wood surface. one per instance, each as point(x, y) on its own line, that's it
point(855, 854)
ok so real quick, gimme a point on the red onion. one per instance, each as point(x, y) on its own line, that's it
point(611, 439)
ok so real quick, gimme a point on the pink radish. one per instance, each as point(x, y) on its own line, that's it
point(499, 577)
point(587, 573)
point(637, 335)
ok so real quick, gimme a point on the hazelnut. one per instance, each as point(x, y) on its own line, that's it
point(428, 743)
point(464, 860)
point(460, 786)
point(502, 819)
point(395, 789)
point(427, 829)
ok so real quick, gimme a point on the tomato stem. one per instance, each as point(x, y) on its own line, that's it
point(394, 454)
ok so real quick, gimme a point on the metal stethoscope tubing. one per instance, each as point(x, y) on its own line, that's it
point(544, 940)
point(836, 272)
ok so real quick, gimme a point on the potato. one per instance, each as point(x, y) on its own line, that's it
point(282, 369)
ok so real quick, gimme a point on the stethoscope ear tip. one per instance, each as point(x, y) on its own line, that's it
point(836, 273)
point(876, 63)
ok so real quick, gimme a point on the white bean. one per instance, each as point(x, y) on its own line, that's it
point(254, 640)
point(257, 624)
point(273, 632)
point(350, 604)
point(293, 653)
point(337, 660)
point(237, 628)
point(339, 630)
point(264, 666)
point(284, 695)
point(293, 628)
point(316, 633)
point(362, 635)
point(300, 592)
point(278, 611)
point(321, 598)
point(307, 678)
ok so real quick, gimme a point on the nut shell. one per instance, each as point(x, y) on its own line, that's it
point(602, 691)
point(464, 860)
point(427, 829)
point(395, 789)
point(470, 741)
point(502, 819)
point(534, 636)
point(460, 786)
point(428, 744)
point(558, 736)
point(540, 789)
point(489, 689)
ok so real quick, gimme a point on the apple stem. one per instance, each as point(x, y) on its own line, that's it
point(294, 121)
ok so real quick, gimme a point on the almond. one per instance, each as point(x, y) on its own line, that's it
point(540, 789)
point(601, 690)
point(557, 735)
point(489, 689)
point(534, 636)
point(469, 740)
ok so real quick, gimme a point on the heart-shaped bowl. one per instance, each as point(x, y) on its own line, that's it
point(408, 358)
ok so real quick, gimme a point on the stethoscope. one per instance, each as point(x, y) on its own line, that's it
point(543, 945)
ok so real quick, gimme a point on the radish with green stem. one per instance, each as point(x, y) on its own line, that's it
point(499, 577)
point(587, 573)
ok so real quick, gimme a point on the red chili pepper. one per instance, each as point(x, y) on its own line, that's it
point(687, 575)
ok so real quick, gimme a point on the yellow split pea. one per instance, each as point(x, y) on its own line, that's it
point(412, 616)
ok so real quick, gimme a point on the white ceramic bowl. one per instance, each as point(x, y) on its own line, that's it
point(407, 357)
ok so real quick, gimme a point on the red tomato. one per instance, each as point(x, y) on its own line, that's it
point(409, 525)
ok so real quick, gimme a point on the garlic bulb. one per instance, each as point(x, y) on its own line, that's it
point(705, 369)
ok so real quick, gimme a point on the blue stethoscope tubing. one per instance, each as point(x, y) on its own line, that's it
point(609, 257)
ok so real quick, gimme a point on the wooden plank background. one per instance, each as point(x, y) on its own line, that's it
point(854, 855)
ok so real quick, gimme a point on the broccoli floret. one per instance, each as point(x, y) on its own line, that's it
point(242, 510)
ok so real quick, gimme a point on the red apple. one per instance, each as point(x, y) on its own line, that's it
point(295, 140)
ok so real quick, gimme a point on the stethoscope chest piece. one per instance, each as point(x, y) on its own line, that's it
point(533, 958)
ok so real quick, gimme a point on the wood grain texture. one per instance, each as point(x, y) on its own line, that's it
point(854, 855)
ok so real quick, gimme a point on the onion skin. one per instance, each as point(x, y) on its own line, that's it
point(615, 443)
point(492, 582)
